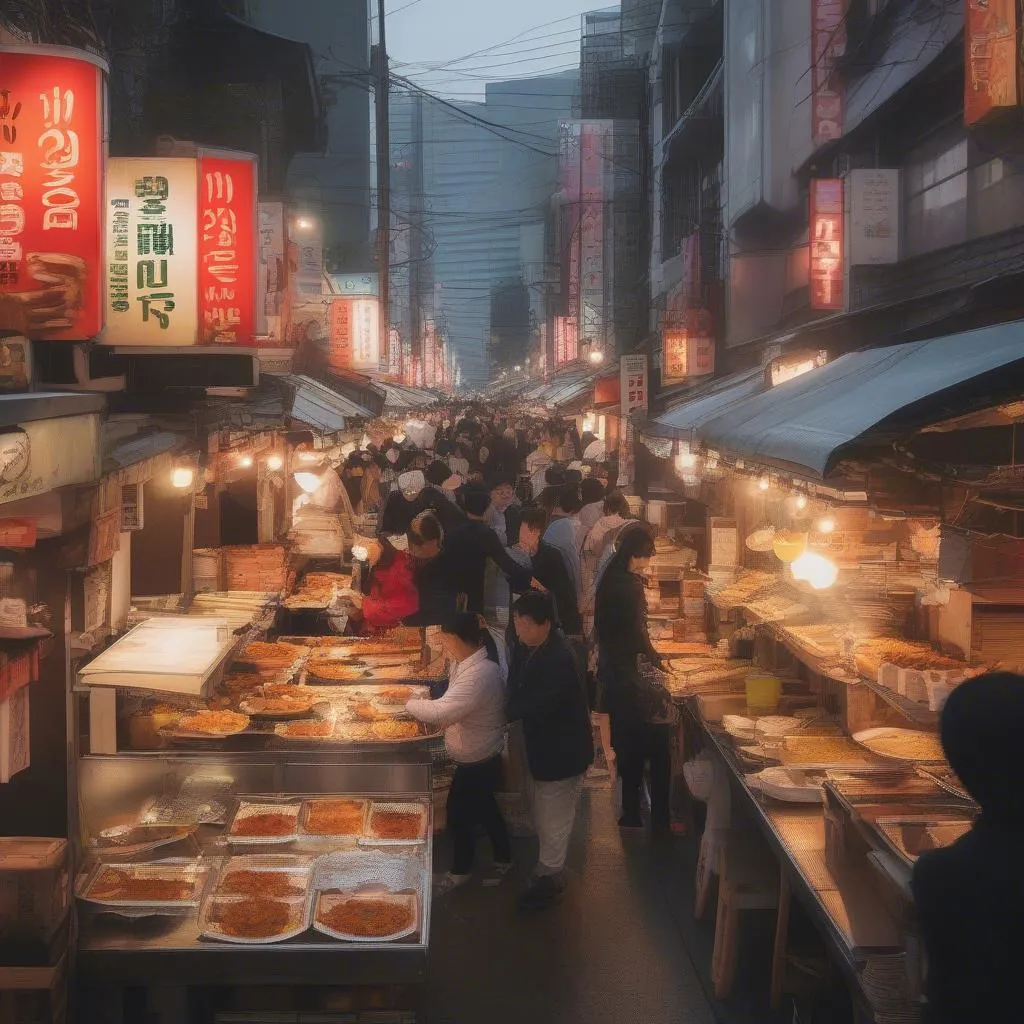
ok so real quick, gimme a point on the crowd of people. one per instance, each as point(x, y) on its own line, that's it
point(513, 540)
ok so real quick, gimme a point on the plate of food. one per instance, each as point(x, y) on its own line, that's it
point(371, 916)
point(264, 822)
point(306, 729)
point(791, 785)
point(396, 730)
point(212, 723)
point(333, 818)
point(253, 920)
point(332, 671)
point(272, 876)
point(266, 655)
point(280, 707)
point(168, 885)
point(396, 824)
point(398, 696)
point(908, 745)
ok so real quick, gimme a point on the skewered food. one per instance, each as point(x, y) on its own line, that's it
point(369, 918)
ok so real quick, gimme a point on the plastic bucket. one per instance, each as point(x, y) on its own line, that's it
point(764, 691)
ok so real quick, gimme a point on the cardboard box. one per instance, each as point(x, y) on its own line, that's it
point(34, 887)
point(34, 995)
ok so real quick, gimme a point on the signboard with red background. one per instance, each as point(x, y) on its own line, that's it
point(828, 42)
point(826, 241)
point(51, 192)
point(991, 34)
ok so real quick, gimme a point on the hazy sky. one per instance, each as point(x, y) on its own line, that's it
point(519, 38)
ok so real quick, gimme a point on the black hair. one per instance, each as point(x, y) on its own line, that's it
point(591, 490)
point(616, 504)
point(500, 480)
point(436, 473)
point(466, 626)
point(534, 518)
point(535, 606)
point(569, 499)
point(476, 500)
point(634, 540)
point(426, 527)
point(554, 476)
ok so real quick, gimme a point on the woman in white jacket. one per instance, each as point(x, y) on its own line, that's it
point(472, 714)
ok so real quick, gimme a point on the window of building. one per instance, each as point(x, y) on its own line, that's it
point(936, 192)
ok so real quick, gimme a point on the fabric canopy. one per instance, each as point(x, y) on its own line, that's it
point(806, 422)
point(320, 407)
point(683, 420)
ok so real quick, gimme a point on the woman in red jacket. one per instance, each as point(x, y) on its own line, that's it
point(390, 594)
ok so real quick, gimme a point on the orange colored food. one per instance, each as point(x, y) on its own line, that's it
point(214, 723)
point(122, 885)
point(397, 825)
point(271, 706)
point(336, 817)
point(313, 729)
point(369, 918)
point(392, 730)
point(259, 883)
point(270, 823)
point(255, 919)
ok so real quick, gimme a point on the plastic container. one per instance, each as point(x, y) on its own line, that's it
point(764, 691)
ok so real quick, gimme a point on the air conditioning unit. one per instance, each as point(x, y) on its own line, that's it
point(132, 517)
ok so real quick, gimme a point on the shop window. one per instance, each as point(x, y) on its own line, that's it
point(936, 199)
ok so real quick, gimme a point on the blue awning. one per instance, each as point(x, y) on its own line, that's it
point(318, 406)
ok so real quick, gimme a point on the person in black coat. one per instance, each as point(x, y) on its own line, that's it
point(463, 561)
point(547, 694)
point(550, 571)
point(641, 713)
point(970, 895)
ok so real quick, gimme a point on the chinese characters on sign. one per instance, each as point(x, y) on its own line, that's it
point(688, 347)
point(828, 42)
point(566, 340)
point(51, 187)
point(991, 34)
point(273, 279)
point(352, 334)
point(340, 334)
point(633, 383)
point(227, 249)
point(151, 252)
point(826, 244)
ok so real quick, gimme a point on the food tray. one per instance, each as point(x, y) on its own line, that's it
point(910, 837)
point(407, 902)
point(297, 870)
point(212, 923)
point(239, 723)
point(791, 784)
point(184, 810)
point(373, 838)
point(309, 808)
point(190, 872)
point(919, 747)
point(249, 809)
point(947, 781)
point(132, 840)
point(398, 869)
point(284, 730)
point(250, 708)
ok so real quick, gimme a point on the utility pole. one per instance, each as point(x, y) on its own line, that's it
point(416, 248)
point(383, 184)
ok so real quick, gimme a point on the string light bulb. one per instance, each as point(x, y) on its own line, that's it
point(763, 484)
point(826, 524)
point(817, 570)
point(245, 461)
point(274, 463)
point(801, 502)
point(182, 477)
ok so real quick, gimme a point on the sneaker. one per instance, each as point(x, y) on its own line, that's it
point(498, 874)
point(543, 892)
point(628, 823)
point(444, 884)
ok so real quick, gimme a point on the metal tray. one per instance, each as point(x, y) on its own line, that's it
point(211, 927)
point(383, 807)
point(940, 832)
point(126, 841)
point(298, 869)
point(251, 808)
point(326, 901)
point(177, 869)
point(307, 810)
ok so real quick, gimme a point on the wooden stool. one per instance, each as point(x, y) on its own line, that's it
point(807, 974)
point(748, 879)
point(708, 861)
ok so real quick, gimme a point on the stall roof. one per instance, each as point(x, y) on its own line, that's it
point(561, 387)
point(320, 407)
point(401, 396)
point(47, 405)
point(571, 391)
point(805, 423)
point(704, 402)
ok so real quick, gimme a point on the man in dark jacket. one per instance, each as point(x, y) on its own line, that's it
point(970, 896)
point(463, 560)
point(547, 694)
point(549, 568)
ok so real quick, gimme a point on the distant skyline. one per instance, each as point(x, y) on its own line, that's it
point(454, 47)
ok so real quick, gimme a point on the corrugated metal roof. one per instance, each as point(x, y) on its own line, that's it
point(139, 449)
point(318, 406)
point(400, 396)
point(704, 402)
point(804, 423)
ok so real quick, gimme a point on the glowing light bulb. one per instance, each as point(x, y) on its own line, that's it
point(308, 457)
point(763, 484)
point(801, 502)
point(817, 570)
point(274, 463)
point(245, 461)
point(182, 477)
point(309, 482)
point(826, 525)
point(686, 461)
point(596, 357)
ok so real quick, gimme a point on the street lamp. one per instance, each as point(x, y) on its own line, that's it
point(596, 357)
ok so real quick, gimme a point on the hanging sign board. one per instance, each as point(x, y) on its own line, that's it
point(874, 216)
point(828, 43)
point(827, 279)
point(991, 73)
point(51, 192)
point(633, 383)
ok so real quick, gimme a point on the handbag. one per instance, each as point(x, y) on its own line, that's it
point(655, 698)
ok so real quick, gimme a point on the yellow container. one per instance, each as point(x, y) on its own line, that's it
point(764, 691)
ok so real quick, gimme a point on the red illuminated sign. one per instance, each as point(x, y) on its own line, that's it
point(227, 248)
point(51, 193)
point(991, 83)
point(827, 276)
point(340, 334)
point(828, 42)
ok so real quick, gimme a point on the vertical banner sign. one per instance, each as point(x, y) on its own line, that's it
point(366, 353)
point(827, 277)
point(874, 216)
point(560, 340)
point(272, 283)
point(228, 184)
point(828, 42)
point(395, 353)
point(340, 334)
point(51, 193)
point(673, 355)
point(152, 252)
point(593, 136)
point(992, 73)
point(569, 174)
point(633, 383)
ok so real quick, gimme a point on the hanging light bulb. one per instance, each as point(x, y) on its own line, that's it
point(801, 502)
point(309, 482)
point(826, 524)
point(817, 570)
point(686, 462)
point(763, 484)
point(182, 477)
point(274, 463)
